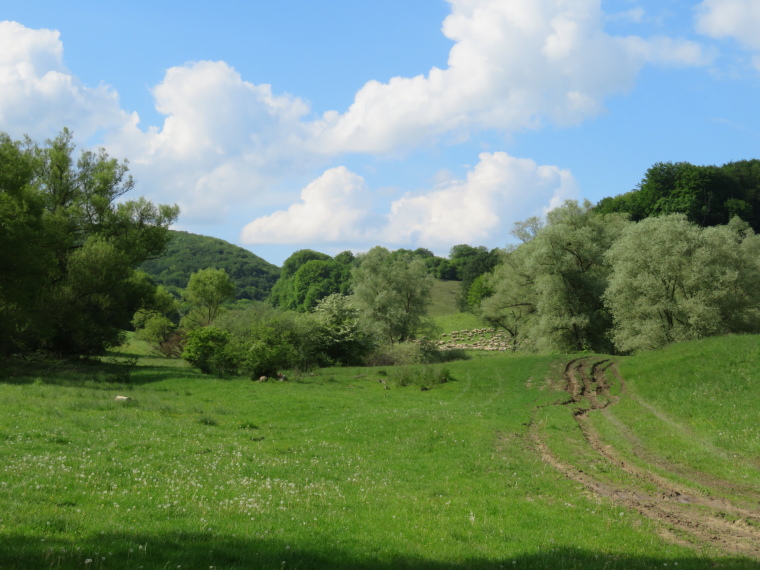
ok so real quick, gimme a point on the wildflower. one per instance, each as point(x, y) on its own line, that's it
point(88, 561)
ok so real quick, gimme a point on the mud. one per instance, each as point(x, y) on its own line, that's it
point(698, 512)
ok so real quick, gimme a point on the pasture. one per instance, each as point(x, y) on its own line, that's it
point(511, 464)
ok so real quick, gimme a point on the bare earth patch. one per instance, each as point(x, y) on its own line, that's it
point(696, 514)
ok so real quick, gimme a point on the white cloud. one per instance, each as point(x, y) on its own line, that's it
point(497, 192)
point(38, 96)
point(737, 19)
point(514, 65)
point(229, 144)
point(333, 208)
point(224, 140)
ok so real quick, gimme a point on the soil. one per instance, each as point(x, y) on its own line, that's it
point(696, 514)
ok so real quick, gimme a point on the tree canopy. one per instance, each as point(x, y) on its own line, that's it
point(309, 276)
point(672, 280)
point(392, 293)
point(706, 195)
point(69, 248)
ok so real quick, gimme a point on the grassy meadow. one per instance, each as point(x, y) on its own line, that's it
point(359, 468)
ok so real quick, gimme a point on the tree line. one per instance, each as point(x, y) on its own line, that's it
point(590, 281)
point(308, 276)
point(673, 260)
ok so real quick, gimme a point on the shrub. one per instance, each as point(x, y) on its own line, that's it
point(399, 354)
point(208, 349)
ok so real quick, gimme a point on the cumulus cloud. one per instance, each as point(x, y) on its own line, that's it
point(38, 95)
point(223, 139)
point(333, 208)
point(737, 19)
point(497, 192)
point(227, 143)
point(514, 65)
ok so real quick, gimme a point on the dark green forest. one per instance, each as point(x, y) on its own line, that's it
point(706, 195)
point(187, 253)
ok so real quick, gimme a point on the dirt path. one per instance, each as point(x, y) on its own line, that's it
point(705, 519)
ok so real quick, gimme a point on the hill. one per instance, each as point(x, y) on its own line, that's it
point(188, 253)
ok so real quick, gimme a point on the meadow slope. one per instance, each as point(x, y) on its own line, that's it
point(337, 469)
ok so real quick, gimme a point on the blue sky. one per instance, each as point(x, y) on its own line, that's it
point(419, 123)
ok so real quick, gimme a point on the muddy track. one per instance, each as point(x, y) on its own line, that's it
point(706, 520)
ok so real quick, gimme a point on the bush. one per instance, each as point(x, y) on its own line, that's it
point(399, 354)
point(208, 349)
point(343, 340)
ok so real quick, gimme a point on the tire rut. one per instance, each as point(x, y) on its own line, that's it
point(707, 520)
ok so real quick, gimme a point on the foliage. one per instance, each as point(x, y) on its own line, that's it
point(706, 195)
point(188, 253)
point(342, 338)
point(397, 354)
point(392, 294)
point(208, 349)
point(548, 291)
point(513, 299)
point(601, 283)
point(480, 289)
point(309, 276)
point(69, 248)
point(470, 263)
point(157, 322)
point(206, 291)
point(673, 280)
point(273, 347)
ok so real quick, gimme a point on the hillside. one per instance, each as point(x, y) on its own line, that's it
point(649, 461)
point(187, 253)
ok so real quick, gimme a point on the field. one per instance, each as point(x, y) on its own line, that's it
point(516, 462)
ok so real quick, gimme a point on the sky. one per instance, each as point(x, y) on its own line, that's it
point(339, 124)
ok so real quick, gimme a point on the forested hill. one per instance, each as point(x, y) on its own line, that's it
point(707, 195)
point(187, 253)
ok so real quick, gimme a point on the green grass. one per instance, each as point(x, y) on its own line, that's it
point(444, 298)
point(457, 321)
point(330, 470)
point(694, 407)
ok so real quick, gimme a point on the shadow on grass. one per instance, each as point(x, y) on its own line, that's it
point(203, 550)
point(89, 373)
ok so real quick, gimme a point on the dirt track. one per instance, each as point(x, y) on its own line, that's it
point(699, 518)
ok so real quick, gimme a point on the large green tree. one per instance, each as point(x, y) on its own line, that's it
point(392, 293)
point(548, 291)
point(69, 246)
point(672, 280)
point(206, 291)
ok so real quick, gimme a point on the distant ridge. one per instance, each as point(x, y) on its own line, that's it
point(188, 253)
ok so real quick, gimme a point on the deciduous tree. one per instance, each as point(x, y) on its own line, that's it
point(672, 280)
point(393, 294)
